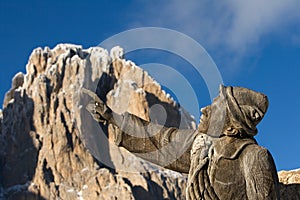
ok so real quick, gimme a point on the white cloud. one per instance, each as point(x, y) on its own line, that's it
point(234, 27)
point(256, 18)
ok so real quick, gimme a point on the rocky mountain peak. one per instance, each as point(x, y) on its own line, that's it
point(43, 153)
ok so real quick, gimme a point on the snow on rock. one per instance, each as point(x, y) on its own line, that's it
point(42, 150)
point(117, 53)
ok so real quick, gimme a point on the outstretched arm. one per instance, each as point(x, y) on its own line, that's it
point(167, 147)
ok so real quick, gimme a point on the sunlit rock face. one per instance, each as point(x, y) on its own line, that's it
point(42, 149)
point(289, 184)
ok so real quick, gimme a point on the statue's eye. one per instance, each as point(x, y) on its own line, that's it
point(96, 103)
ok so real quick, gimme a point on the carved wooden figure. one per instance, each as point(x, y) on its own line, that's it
point(221, 157)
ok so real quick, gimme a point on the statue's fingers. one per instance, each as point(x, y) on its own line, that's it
point(201, 183)
point(194, 162)
point(206, 196)
point(91, 94)
point(196, 187)
point(91, 107)
point(97, 117)
point(209, 192)
point(190, 192)
point(99, 107)
point(206, 180)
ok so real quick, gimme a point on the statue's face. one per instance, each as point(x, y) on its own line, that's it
point(213, 117)
point(204, 119)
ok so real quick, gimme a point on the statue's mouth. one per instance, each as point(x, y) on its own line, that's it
point(203, 119)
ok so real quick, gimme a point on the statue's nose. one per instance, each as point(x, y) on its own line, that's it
point(203, 110)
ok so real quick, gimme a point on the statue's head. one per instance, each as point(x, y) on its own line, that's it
point(236, 111)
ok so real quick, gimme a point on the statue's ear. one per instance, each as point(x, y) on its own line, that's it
point(253, 113)
point(230, 131)
point(255, 116)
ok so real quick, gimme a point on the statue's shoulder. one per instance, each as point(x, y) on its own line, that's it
point(257, 154)
point(232, 148)
point(256, 149)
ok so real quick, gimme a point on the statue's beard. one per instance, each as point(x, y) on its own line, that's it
point(212, 122)
point(204, 122)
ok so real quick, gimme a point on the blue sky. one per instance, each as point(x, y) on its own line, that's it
point(255, 44)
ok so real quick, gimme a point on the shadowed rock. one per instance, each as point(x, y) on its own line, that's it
point(43, 153)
